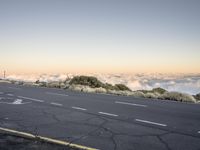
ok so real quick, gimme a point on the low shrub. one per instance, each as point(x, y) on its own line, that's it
point(108, 86)
point(155, 90)
point(87, 80)
point(53, 84)
point(86, 89)
point(137, 94)
point(197, 96)
point(113, 92)
point(151, 95)
point(19, 82)
point(93, 82)
point(100, 90)
point(43, 84)
point(122, 87)
point(75, 87)
point(176, 96)
point(159, 90)
point(30, 84)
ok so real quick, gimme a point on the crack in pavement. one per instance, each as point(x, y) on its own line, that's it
point(52, 115)
point(165, 143)
point(100, 126)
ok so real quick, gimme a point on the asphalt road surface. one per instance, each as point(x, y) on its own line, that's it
point(10, 142)
point(100, 121)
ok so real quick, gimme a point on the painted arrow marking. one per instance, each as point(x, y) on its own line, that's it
point(16, 102)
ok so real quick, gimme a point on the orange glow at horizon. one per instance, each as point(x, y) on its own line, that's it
point(78, 68)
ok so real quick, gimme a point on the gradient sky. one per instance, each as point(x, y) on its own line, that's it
point(108, 36)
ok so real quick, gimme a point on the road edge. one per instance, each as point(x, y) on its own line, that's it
point(45, 139)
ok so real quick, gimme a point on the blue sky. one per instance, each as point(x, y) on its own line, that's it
point(40, 36)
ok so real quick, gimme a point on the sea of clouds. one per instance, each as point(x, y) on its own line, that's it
point(186, 83)
point(189, 83)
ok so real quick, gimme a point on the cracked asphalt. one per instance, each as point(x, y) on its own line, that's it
point(10, 142)
point(100, 121)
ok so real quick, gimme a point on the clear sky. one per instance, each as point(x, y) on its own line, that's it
point(108, 36)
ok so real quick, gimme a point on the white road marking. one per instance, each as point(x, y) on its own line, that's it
point(149, 122)
point(108, 114)
point(57, 104)
point(19, 101)
point(14, 88)
point(132, 104)
point(79, 108)
point(16, 102)
point(10, 94)
point(199, 132)
point(58, 94)
point(32, 99)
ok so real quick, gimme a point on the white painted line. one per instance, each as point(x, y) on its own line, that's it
point(58, 94)
point(79, 108)
point(57, 104)
point(14, 88)
point(32, 99)
point(199, 132)
point(108, 114)
point(149, 122)
point(16, 102)
point(19, 102)
point(132, 104)
point(10, 94)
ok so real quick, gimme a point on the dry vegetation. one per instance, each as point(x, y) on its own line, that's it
point(91, 84)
